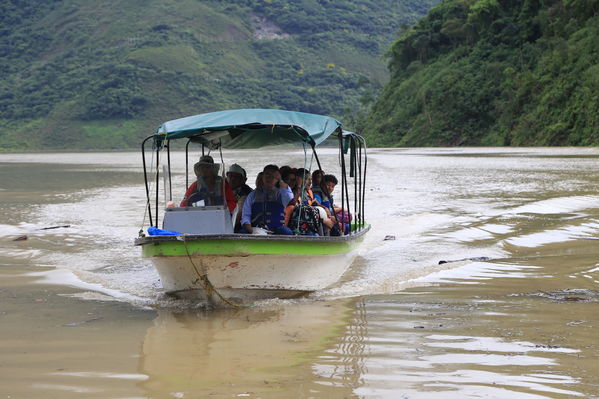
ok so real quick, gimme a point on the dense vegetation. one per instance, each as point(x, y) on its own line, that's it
point(103, 74)
point(493, 72)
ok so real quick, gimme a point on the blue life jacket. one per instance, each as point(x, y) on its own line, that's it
point(323, 199)
point(214, 197)
point(267, 209)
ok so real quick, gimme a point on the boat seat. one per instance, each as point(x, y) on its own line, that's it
point(200, 220)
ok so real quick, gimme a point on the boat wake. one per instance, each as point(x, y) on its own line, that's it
point(95, 253)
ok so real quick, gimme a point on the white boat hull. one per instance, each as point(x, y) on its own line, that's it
point(243, 268)
point(252, 277)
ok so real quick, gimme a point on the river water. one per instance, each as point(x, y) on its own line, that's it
point(83, 316)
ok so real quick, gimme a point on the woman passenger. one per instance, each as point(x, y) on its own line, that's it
point(303, 180)
point(316, 178)
point(300, 218)
point(259, 180)
point(289, 175)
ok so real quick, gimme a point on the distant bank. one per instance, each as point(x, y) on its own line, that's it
point(103, 74)
point(493, 72)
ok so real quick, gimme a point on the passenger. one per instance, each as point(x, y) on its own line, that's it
point(317, 177)
point(288, 177)
point(284, 169)
point(265, 206)
point(304, 180)
point(259, 180)
point(323, 193)
point(277, 173)
point(209, 186)
point(300, 217)
point(323, 196)
point(236, 177)
point(278, 176)
point(292, 204)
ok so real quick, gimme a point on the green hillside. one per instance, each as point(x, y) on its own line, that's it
point(102, 74)
point(493, 72)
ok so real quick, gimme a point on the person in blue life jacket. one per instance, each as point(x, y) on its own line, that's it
point(323, 194)
point(265, 206)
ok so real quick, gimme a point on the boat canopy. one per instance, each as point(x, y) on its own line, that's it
point(254, 128)
point(250, 128)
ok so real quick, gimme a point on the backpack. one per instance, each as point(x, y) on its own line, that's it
point(304, 220)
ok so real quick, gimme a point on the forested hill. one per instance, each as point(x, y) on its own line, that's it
point(494, 72)
point(102, 74)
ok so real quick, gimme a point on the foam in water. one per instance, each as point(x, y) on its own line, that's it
point(436, 207)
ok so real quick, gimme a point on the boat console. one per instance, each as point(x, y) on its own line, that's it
point(201, 220)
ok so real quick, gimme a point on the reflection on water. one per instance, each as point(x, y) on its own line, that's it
point(521, 324)
point(414, 351)
point(256, 352)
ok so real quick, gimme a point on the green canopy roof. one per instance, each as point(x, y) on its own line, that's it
point(246, 128)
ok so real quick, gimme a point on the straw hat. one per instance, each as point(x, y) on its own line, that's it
point(205, 160)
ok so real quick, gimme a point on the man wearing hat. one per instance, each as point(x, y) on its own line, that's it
point(209, 186)
point(236, 177)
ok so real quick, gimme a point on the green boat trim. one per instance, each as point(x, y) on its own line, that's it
point(245, 245)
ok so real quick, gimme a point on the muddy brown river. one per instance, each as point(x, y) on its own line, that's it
point(479, 279)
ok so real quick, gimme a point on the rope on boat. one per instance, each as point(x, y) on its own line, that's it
point(206, 284)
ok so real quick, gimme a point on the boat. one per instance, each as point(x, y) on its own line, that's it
point(197, 253)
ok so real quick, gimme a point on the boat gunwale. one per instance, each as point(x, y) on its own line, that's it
point(251, 237)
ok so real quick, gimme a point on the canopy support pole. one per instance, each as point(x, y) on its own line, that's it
point(360, 221)
point(170, 182)
point(315, 154)
point(187, 163)
point(353, 173)
point(157, 179)
point(143, 157)
point(344, 190)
